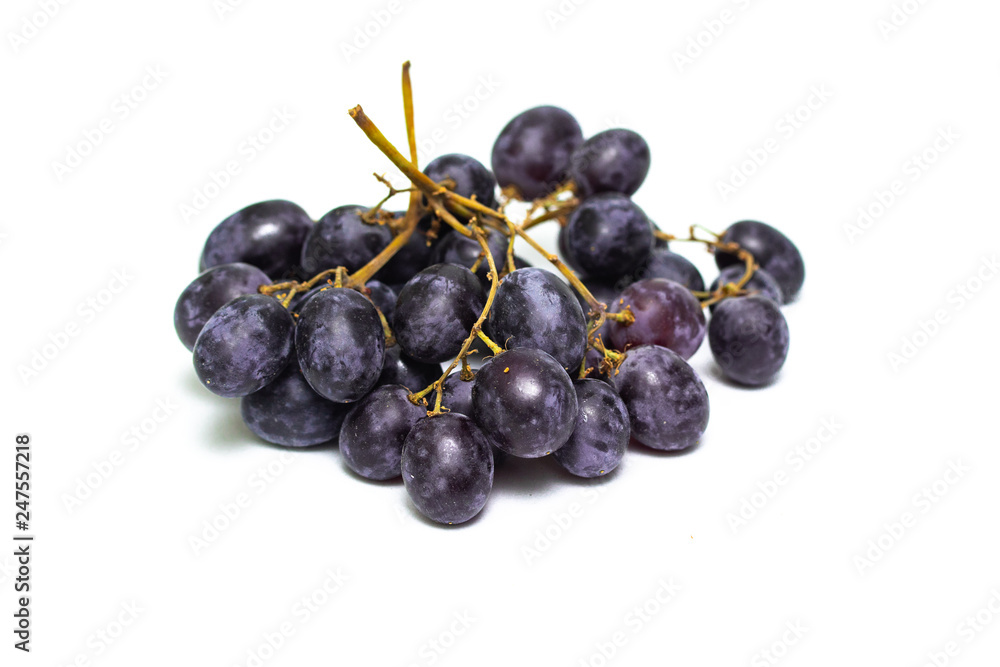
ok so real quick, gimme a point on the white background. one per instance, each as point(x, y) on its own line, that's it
point(899, 425)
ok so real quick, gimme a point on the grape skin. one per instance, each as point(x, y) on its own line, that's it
point(472, 179)
point(601, 436)
point(749, 339)
point(532, 152)
point(608, 235)
point(666, 400)
point(244, 346)
point(268, 235)
point(340, 344)
point(288, 412)
point(525, 403)
point(372, 435)
point(761, 282)
point(447, 468)
point(457, 394)
point(342, 238)
point(772, 250)
point(666, 314)
point(435, 311)
point(413, 257)
point(465, 251)
point(400, 368)
point(210, 291)
point(611, 161)
point(534, 309)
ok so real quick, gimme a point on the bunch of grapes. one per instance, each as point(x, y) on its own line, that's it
point(336, 330)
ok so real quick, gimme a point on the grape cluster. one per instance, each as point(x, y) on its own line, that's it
point(336, 331)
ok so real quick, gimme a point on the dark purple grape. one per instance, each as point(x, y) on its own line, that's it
point(563, 244)
point(371, 439)
point(210, 291)
point(340, 344)
point(601, 435)
point(268, 235)
point(342, 238)
point(604, 291)
point(761, 282)
point(608, 235)
point(666, 314)
point(244, 346)
point(288, 412)
point(532, 153)
point(447, 468)
point(413, 257)
point(465, 251)
point(457, 394)
point(435, 311)
point(663, 263)
point(611, 161)
point(525, 403)
point(383, 297)
point(667, 403)
point(773, 252)
point(472, 179)
point(400, 368)
point(534, 309)
point(749, 339)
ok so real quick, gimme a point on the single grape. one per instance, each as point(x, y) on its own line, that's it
point(610, 161)
point(761, 282)
point(268, 235)
point(244, 346)
point(472, 179)
point(608, 235)
point(534, 309)
point(435, 311)
point(210, 291)
point(525, 403)
point(749, 339)
point(400, 368)
point(457, 394)
point(772, 250)
point(666, 314)
point(532, 153)
point(340, 344)
point(663, 263)
point(465, 251)
point(666, 400)
point(601, 436)
point(343, 238)
point(383, 297)
point(288, 412)
point(372, 436)
point(447, 468)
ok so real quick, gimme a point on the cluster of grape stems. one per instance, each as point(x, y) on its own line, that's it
point(524, 399)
